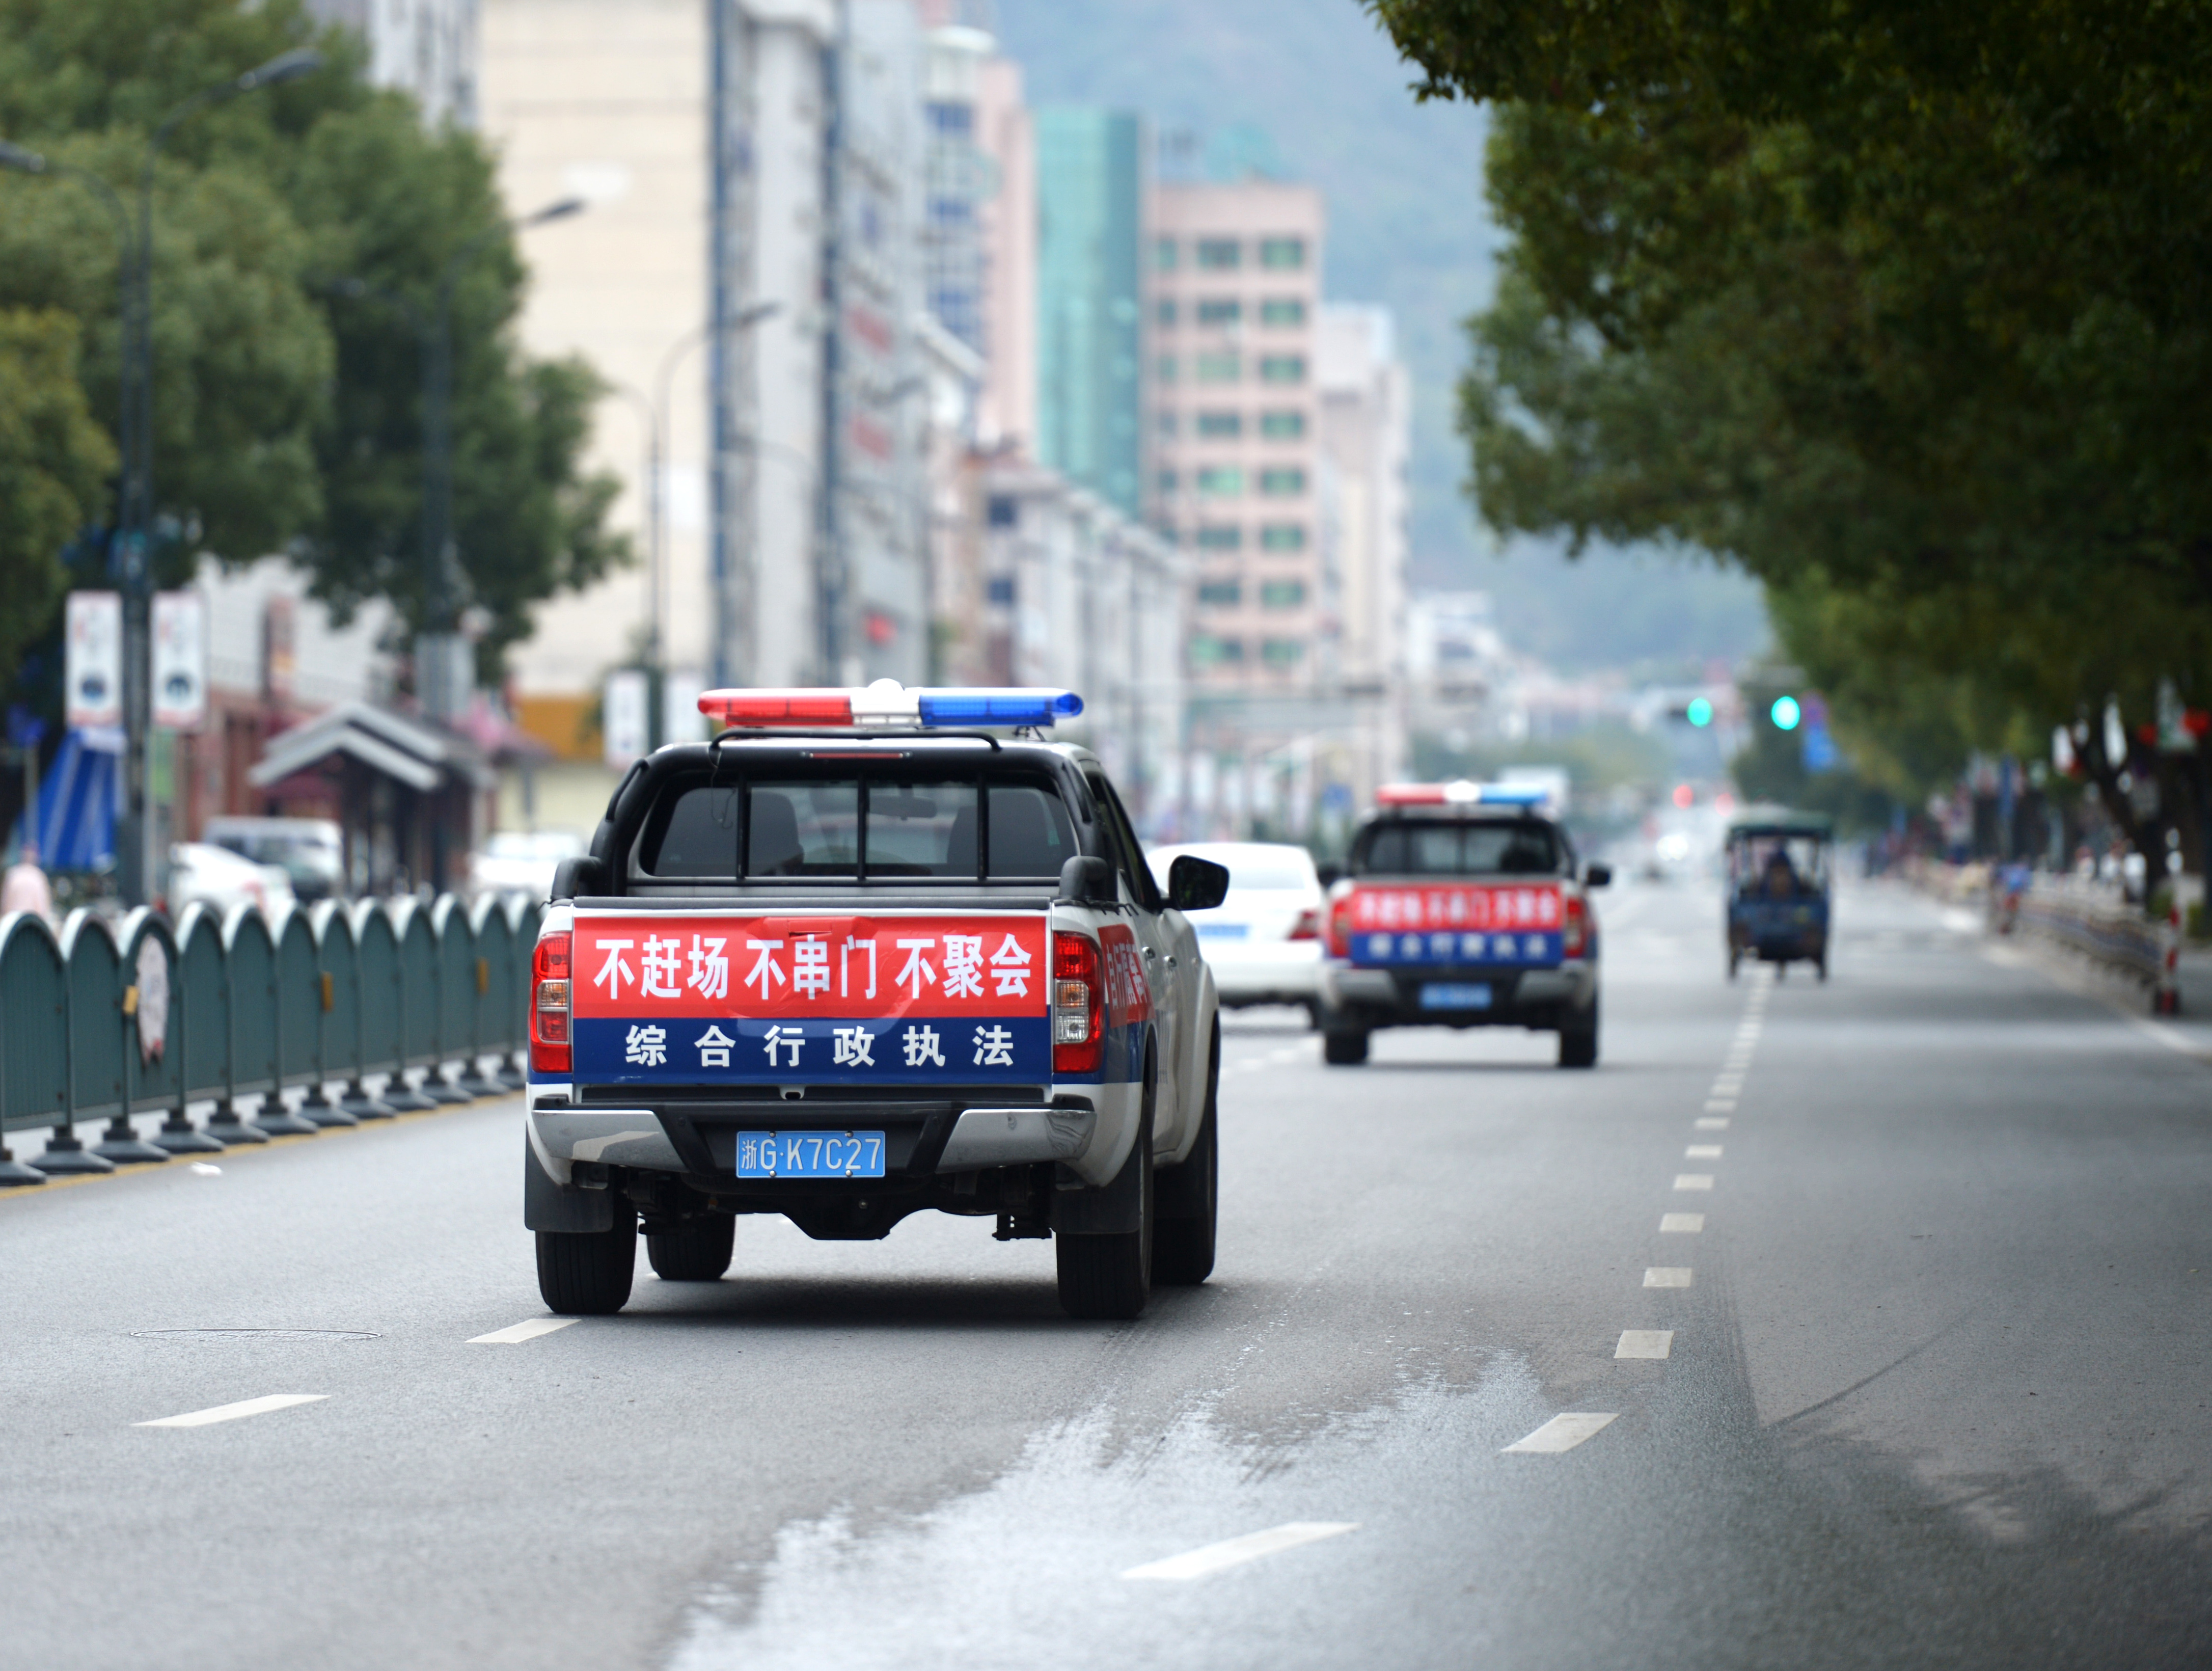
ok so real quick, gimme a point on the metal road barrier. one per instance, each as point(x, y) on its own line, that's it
point(2094, 921)
point(102, 1024)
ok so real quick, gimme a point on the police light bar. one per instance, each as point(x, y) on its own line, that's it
point(1462, 793)
point(886, 702)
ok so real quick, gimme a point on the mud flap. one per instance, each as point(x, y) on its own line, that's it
point(547, 1207)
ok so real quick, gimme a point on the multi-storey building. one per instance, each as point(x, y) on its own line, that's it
point(425, 48)
point(1235, 296)
point(1090, 175)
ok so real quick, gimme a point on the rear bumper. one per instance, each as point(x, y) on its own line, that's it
point(1520, 997)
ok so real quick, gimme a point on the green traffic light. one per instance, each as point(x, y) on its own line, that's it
point(1699, 712)
point(1786, 713)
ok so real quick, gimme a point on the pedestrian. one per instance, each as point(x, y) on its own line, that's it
point(25, 887)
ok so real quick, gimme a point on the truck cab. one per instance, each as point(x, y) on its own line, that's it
point(1464, 905)
point(861, 956)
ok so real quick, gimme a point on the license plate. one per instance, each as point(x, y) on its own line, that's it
point(1455, 995)
point(810, 1153)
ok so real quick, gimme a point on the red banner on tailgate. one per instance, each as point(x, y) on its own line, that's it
point(1454, 905)
point(793, 966)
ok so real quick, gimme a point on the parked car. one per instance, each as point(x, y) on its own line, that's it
point(521, 861)
point(310, 851)
point(1263, 942)
point(218, 878)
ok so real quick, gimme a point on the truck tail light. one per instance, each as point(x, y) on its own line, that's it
point(548, 1003)
point(1576, 934)
point(1079, 1004)
point(1339, 926)
point(1308, 927)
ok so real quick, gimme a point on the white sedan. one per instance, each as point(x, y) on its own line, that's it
point(1263, 942)
point(201, 873)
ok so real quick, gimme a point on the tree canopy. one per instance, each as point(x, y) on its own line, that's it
point(1901, 308)
point(288, 415)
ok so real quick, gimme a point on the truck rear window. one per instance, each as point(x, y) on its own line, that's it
point(1460, 849)
point(857, 829)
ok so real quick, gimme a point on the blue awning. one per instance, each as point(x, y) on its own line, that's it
point(77, 801)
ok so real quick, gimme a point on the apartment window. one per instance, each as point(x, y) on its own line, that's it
point(1282, 594)
point(1282, 368)
point(1283, 652)
point(1164, 255)
point(1282, 310)
point(1163, 313)
point(1208, 651)
point(1004, 511)
point(1220, 310)
point(1282, 483)
point(1284, 254)
point(1219, 255)
point(1164, 368)
point(1283, 537)
point(1223, 368)
point(1282, 425)
point(1219, 537)
point(1220, 425)
point(1220, 481)
point(1167, 481)
point(1220, 593)
point(1001, 588)
point(1163, 422)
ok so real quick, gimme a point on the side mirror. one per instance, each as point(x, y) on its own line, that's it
point(1197, 884)
point(1596, 875)
point(1330, 874)
point(581, 877)
point(1088, 882)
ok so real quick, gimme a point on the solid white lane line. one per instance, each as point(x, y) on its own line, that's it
point(1645, 1343)
point(231, 1412)
point(1681, 1223)
point(1235, 1552)
point(516, 1334)
point(1694, 1180)
point(1667, 1276)
point(1712, 1125)
point(1702, 1152)
point(1562, 1432)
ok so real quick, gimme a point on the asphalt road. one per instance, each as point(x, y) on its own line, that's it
point(1935, 1392)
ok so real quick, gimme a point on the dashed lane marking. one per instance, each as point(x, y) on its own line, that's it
point(1681, 1223)
point(1721, 1105)
point(231, 1412)
point(1721, 1124)
point(1645, 1343)
point(1694, 1180)
point(1667, 1276)
point(1562, 1432)
point(1702, 1152)
point(1235, 1552)
point(516, 1334)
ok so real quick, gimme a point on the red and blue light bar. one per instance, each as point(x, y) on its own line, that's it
point(1462, 793)
point(886, 702)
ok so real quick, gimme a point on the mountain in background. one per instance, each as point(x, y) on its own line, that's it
point(1316, 85)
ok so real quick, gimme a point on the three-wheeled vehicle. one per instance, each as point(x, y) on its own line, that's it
point(1780, 867)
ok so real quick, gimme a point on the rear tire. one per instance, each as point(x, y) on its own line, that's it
point(1188, 1197)
point(589, 1274)
point(1110, 1277)
point(1345, 1047)
point(698, 1252)
point(1578, 1042)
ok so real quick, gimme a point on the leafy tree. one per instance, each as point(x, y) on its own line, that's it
point(54, 460)
point(1899, 308)
point(288, 416)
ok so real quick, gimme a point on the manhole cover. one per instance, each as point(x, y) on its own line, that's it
point(254, 1334)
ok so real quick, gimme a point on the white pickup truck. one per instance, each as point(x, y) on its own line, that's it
point(845, 963)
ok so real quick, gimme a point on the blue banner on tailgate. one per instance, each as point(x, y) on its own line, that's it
point(1440, 947)
point(906, 1049)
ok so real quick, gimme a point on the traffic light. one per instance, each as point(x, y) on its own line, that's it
point(1786, 713)
point(1698, 712)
